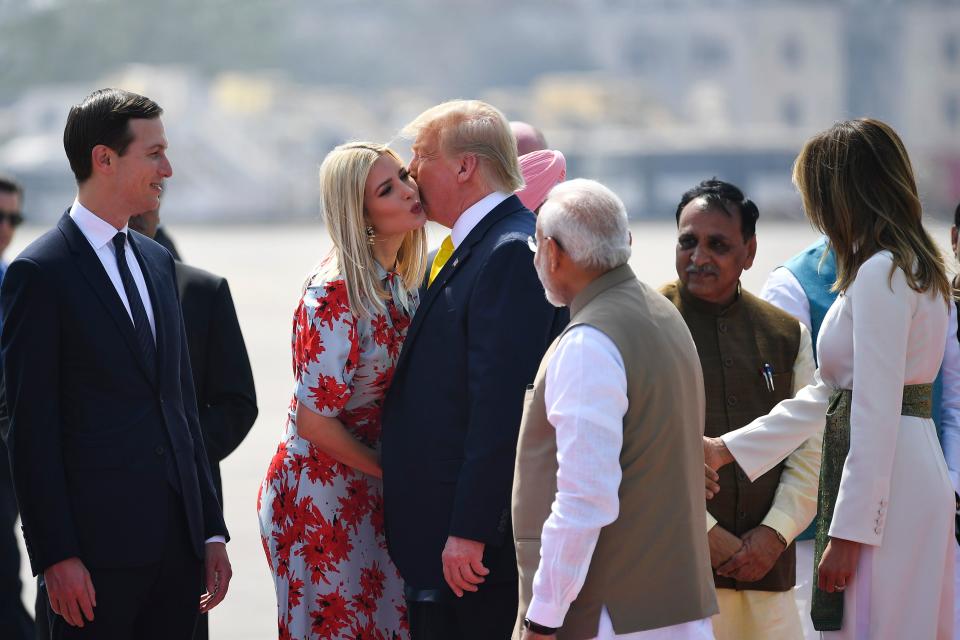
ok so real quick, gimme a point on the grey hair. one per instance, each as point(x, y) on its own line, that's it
point(589, 221)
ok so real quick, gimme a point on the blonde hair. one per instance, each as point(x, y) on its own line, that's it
point(474, 127)
point(858, 188)
point(343, 178)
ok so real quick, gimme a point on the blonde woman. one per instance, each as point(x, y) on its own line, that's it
point(320, 506)
point(885, 528)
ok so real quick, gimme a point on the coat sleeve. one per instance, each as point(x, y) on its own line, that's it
point(226, 400)
point(31, 357)
point(509, 327)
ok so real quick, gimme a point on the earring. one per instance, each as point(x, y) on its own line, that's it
point(371, 235)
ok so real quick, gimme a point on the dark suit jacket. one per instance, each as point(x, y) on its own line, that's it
point(162, 238)
point(452, 414)
point(91, 428)
point(223, 381)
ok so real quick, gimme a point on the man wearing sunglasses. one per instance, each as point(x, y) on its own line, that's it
point(11, 200)
point(13, 616)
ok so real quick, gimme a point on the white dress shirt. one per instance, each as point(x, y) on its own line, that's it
point(474, 214)
point(99, 233)
point(783, 290)
point(586, 400)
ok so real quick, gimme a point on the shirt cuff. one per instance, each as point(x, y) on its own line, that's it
point(711, 522)
point(782, 523)
point(549, 615)
point(220, 539)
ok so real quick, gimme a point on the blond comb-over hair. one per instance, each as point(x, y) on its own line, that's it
point(473, 127)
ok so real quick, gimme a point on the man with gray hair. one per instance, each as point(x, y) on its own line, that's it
point(452, 413)
point(607, 497)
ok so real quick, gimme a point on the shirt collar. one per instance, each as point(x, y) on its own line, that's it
point(473, 215)
point(95, 229)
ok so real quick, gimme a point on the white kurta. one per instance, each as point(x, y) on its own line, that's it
point(895, 494)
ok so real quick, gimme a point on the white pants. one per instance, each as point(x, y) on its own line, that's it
point(803, 592)
point(696, 630)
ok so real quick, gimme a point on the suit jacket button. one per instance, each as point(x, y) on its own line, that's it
point(159, 450)
point(732, 400)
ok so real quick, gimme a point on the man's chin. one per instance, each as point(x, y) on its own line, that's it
point(553, 299)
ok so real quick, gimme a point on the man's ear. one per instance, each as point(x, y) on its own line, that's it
point(751, 252)
point(553, 256)
point(466, 167)
point(103, 159)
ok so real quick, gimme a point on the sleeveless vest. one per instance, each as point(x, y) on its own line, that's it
point(651, 566)
point(734, 343)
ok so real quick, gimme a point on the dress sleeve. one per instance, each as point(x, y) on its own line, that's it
point(795, 502)
point(326, 349)
point(762, 444)
point(882, 310)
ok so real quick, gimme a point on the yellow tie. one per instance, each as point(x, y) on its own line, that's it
point(443, 254)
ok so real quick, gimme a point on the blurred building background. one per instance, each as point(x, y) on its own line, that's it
point(649, 96)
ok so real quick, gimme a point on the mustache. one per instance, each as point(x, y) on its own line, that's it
point(705, 269)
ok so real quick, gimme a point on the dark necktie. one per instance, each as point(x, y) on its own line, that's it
point(141, 326)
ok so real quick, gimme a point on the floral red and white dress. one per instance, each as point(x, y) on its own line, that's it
point(321, 522)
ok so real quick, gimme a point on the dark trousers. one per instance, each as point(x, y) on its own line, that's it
point(488, 614)
point(157, 602)
point(15, 622)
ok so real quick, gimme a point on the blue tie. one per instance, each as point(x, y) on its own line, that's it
point(141, 325)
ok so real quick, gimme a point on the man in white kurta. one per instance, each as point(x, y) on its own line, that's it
point(588, 405)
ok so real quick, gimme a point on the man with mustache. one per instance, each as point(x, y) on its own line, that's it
point(753, 355)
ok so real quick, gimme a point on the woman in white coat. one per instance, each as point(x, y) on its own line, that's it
point(887, 504)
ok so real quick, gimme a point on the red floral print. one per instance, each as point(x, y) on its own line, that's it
point(321, 521)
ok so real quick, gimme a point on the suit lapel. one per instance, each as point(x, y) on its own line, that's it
point(90, 267)
point(453, 265)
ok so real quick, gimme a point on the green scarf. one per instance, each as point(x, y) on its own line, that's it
point(826, 609)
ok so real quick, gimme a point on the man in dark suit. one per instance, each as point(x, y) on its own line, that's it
point(161, 237)
point(223, 381)
point(14, 619)
point(222, 378)
point(118, 508)
point(453, 412)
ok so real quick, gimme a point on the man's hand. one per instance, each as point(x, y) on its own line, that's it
point(463, 564)
point(530, 635)
point(711, 480)
point(761, 549)
point(723, 545)
point(71, 591)
point(715, 453)
point(217, 567)
point(838, 564)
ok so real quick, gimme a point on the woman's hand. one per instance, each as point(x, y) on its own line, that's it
point(333, 438)
point(838, 564)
